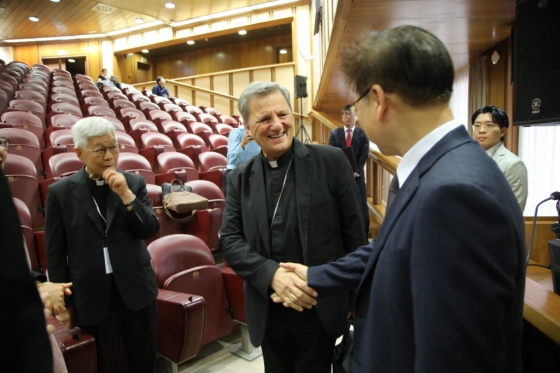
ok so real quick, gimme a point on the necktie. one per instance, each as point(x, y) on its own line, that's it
point(393, 190)
point(349, 138)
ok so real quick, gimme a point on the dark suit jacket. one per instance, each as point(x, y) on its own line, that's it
point(24, 346)
point(74, 229)
point(360, 146)
point(329, 220)
point(441, 288)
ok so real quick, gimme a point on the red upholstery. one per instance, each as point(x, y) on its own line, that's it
point(120, 103)
point(191, 145)
point(62, 83)
point(194, 111)
point(175, 165)
point(26, 225)
point(8, 88)
point(214, 112)
point(223, 129)
point(218, 141)
point(170, 108)
point(139, 127)
point(117, 123)
point(146, 106)
point(63, 164)
point(34, 87)
point(65, 90)
point(211, 161)
point(90, 93)
point(62, 142)
point(24, 143)
point(137, 164)
point(184, 118)
point(26, 105)
point(65, 108)
point(208, 119)
point(24, 185)
point(183, 263)
point(167, 226)
point(26, 121)
point(152, 144)
point(159, 100)
point(209, 190)
point(114, 94)
point(101, 111)
point(3, 100)
point(179, 101)
point(182, 318)
point(172, 129)
point(158, 116)
point(126, 142)
point(235, 294)
point(63, 97)
point(27, 94)
point(206, 226)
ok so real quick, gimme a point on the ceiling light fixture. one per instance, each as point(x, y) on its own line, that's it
point(283, 51)
point(34, 19)
point(139, 20)
point(190, 42)
point(55, 1)
point(145, 51)
point(242, 32)
point(70, 59)
point(232, 12)
point(170, 5)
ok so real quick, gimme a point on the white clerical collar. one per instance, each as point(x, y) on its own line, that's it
point(273, 164)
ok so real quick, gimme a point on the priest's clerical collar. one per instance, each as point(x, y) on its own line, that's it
point(98, 180)
point(280, 161)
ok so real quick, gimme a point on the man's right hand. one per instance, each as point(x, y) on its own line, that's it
point(68, 317)
point(298, 269)
point(292, 290)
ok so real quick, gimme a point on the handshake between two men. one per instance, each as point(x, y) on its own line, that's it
point(290, 287)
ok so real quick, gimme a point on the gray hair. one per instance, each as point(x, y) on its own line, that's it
point(86, 128)
point(259, 89)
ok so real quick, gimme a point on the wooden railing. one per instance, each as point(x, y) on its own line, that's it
point(379, 169)
point(221, 90)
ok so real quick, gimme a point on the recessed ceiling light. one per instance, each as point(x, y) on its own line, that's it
point(169, 5)
point(190, 42)
point(55, 1)
point(92, 32)
point(70, 59)
point(283, 51)
point(242, 32)
point(34, 19)
point(145, 51)
point(139, 20)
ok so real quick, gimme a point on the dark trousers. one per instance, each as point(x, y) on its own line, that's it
point(137, 329)
point(363, 202)
point(295, 342)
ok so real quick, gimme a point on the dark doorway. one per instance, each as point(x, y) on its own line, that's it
point(76, 67)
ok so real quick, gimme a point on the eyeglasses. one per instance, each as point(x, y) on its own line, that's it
point(5, 142)
point(347, 114)
point(488, 126)
point(100, 152)
point(361, 96)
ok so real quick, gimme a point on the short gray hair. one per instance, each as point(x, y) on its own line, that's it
point(86, 128)
point(259, 89)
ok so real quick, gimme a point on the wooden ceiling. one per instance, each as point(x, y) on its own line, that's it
point(467, 27)
point(76, 17)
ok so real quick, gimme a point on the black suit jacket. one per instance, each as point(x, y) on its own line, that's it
point(75, 239)
point(24, 346)
point(330, 224)
point(441, 288)
point(360, 146)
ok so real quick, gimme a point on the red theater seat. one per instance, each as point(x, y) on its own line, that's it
point(137, 164)
point(175, 165)
point(223, 129)
point(26, 144)
point(26, 121)
point(152, 144)
point(191, 145)
point(26, 225)
point(63, 97)
point(23, 182)
point(183, 263)
point(219, 144)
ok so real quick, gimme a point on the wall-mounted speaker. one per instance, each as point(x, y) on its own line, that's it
point(536, 73)
point(300, 86)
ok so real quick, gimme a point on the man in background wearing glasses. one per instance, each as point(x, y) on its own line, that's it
point(96, 223)
point(490, 125)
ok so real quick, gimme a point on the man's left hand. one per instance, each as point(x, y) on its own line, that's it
point(292, 290)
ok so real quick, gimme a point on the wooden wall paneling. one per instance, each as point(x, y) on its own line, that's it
point(543, 233)
point(203, 98)
point(68, 49)
point(497, 75)
point(284, 75)
point(26, 53)
point(162, 67)
point(187, 64)
point(240, 81)
point(221, 84)
point(263, 75)
point(117, 68)
point(93, 59)
point(175, 68)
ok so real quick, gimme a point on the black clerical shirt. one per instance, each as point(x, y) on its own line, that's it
point(99, 193)
point(285, 239)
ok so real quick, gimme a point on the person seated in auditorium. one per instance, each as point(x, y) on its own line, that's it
point(490, 125)
point(52, 294)
point(104, 79)
point(241, 147)
point(159, 89)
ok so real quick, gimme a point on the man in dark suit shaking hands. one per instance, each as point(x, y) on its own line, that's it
point(96, 223)
point(441, 288)
point(295, 202)
point(351, 136)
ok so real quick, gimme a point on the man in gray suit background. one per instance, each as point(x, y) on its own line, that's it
point(295, 202)
point(490, 124)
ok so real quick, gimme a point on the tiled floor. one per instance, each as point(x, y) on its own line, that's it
point(217, 357)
